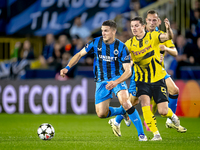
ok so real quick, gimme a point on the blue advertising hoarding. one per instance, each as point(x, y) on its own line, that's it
point(56, 16)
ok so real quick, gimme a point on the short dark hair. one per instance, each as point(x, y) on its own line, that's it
point(138, 18)
point(152, 12)
point(110, 23)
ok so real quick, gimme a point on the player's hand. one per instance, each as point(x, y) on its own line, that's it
point(63, 72)
point(162, 47)
point(111, 85)
point(167, 23)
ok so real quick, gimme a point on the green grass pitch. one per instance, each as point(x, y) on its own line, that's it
point(88, 132)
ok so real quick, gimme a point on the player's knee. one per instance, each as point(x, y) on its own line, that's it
point(135, 102)
point(163, 111)
point(101, 115)
point(126, 105)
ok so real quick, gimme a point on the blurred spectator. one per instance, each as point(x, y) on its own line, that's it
point(57, 56)
point(196, 52)
point(195, 23)
point(6, 65)
point(76, 48)
point(75, 39)
point(175, 30)
point(64, 43)
point(80, 30)
point(72, 72)
point(16, 50)
point(185, 54)
point(170, 65)
point(135, 7)
point(17, 69)
point(46, 57)
point(195, 19)
point(27, 51)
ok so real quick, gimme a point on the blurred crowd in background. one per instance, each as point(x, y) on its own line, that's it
point(59, 49)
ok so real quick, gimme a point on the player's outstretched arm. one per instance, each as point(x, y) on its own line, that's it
point(169, 35)
point(127, 73)
point(74, 60)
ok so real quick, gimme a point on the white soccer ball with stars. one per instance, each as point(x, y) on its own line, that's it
point(46, 131)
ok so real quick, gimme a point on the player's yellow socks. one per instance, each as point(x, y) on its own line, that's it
point(154, 106)
point(169, 114)
point(150, 119)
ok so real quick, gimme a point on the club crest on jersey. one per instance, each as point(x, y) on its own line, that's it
point(134, 45)
point(146, 41)
point(116, 52)
point(122, 84)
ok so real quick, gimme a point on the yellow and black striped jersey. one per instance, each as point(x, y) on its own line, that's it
point(145, 54)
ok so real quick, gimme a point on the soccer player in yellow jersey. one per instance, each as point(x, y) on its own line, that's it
point(149, 73)
point(152, 24)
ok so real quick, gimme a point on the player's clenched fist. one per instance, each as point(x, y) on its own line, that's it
point(63, 72)
point(167, 23)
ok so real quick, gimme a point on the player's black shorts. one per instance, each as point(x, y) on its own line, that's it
point(158, 90)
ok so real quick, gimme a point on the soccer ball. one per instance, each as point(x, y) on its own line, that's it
point(46, 131)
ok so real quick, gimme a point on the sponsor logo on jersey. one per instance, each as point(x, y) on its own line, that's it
point(142, 51)
point(107, 58)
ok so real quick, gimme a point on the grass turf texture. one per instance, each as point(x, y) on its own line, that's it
point(87, 132)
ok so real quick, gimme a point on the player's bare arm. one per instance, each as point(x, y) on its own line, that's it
point(169, 34)
point(74, 60)
point(127, 73)
point(172, 50)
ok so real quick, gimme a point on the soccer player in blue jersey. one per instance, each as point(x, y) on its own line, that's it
point(111, 68)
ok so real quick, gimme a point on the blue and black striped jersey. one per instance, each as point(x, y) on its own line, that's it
point(108, 58)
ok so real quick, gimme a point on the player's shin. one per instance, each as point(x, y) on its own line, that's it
point(135, 118)
point(173, 102)
point(150, 119)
